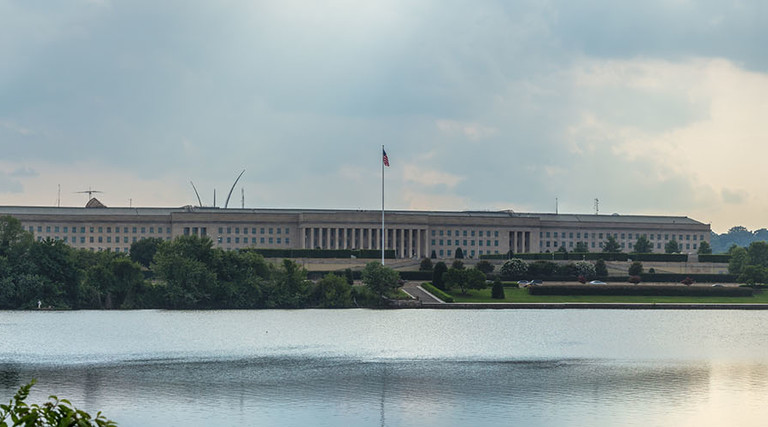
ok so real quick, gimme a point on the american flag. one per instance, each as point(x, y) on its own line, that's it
point(386, 159)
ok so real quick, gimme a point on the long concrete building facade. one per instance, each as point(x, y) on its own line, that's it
point(411, 234)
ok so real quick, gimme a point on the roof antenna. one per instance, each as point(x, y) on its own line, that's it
point(597, 206)
point(89, 192)
point(556, 206)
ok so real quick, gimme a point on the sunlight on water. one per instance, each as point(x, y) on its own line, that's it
point(407, 367)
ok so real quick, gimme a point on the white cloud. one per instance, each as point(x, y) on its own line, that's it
point(417, 173)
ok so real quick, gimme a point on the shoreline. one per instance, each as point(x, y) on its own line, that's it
point(586, 306)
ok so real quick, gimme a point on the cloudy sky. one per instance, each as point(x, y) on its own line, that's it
point(654, 107)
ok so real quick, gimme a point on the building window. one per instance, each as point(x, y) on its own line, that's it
point(449, 252)
point(457, 243)
point(143, 230)
point(287, 241)
point(237, 230)
point(261, 240)
point(441, 242)
point(464, 233)
point(433, 242)
point(229, 240)
point(229, 230)
point(101, 229)
point(90, 239)
point(237, 240)
point(441, 252)
point(271, 240)
point(48, 229)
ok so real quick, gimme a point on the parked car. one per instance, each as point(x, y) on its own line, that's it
point(597, 282)
point(536, 282)
point(523, 283)
point(717, 285)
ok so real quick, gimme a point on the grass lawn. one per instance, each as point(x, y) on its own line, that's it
point(521, 295)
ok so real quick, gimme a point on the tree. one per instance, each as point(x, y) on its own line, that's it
point(485, 266)
point(611, 245)
point(380, 280)
point(426, 264)
point(14, 240)
point(458, 265)
point(753, 274)
point(332, 291)
point(54, 412)
point(586, 269)
point(433, 255)
point(739, 259)
point(437, 275)
point(514, 268)
point(643, 245)
point(465, 279)
point(672, 247)
point(704, 248)
point(497, 291)
point(581, 247)
point(459, 253)
point(757, 254)
point(601, 270)
point(636, 268)
point(562, 249)
point(634, 279)
point(143, 251)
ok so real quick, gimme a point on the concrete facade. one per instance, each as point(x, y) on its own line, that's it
point(411, 234)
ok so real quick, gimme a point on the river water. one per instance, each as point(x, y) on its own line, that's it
point(396, 367)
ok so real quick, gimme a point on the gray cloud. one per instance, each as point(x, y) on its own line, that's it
point(294, 92)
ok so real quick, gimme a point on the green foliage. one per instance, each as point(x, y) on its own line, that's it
point(672, 247)
point(634, 279)
point(465, 279)
point(641, 290)
point(601, 270)
point(485, 266)
point(586, 269)
point(143, 251)
point(611, 245)
point(704, 248)
point(514, 268)
point(437, 292)
point(541, 268)
point(55, 412)
point(332, 291)
point(757, 254)
point(581, 247)
point(425, 265)
point(643, 245)
point(739, 259)
point(458, 265)
point(349, 276)
point(433, 255)
point(380, 280)
point(437, 275)
point(562, 249)
point(459, 254)
point(497, 291)
point(635, 269)
point(753, 274)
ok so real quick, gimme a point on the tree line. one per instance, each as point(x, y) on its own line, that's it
point(186, 273)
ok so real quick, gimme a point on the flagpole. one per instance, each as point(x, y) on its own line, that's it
point(382, 206)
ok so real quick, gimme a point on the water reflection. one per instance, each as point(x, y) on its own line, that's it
point(374, 368)
point(293, 391)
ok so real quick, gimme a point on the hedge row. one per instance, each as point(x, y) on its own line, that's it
point(437, 292)
point(609, 256)
point(640, 290)
point(563, 256)
point(659, 257)
point(323, 253)
point(722, 258)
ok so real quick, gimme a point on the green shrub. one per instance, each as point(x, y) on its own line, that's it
point(54, 412)
point(437, 292)
point(497, 291)
point(641, 290)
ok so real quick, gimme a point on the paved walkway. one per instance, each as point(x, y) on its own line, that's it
point(414, 289)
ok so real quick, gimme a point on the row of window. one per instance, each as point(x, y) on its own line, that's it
point(92, 239)
point(262, 240)
point(271, 230)
point(74, 229)
point(624, 245)
point(480, 233)
point(447, 252)
point(456, 242)
point(630, 236)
